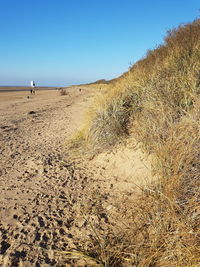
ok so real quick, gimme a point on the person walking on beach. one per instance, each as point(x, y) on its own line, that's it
point(32, 87)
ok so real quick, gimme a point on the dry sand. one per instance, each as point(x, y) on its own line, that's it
point(6, 89)
point(43, 197)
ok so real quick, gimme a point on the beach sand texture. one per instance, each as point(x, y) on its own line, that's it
point(40, 192)
point(32, 179)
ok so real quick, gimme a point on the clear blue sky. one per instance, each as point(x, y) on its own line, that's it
point(62, 42)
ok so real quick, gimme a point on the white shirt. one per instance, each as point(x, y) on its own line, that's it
point(32, 84)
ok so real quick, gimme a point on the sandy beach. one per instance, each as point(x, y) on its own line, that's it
point(42, 194)
point(35, 186)
point(6, 89)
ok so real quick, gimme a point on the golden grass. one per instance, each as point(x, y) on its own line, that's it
point(157, 102)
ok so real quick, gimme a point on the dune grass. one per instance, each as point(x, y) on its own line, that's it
point(63, 92)
point(157, 102)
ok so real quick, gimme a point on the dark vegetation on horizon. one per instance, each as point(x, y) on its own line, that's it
point(102, 81)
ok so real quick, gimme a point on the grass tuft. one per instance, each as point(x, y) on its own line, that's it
point(63, 92)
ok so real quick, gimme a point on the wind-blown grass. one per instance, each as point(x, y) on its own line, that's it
point(157, 102)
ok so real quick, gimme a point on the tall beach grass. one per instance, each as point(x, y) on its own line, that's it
point(157, 102)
